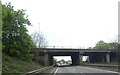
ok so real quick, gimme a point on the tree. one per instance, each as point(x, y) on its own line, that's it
point(55, 61)
point(0, 19)
point(113, 45)
point(39, 39)
point(63, 61)
point(101, 45)
point(15, 39)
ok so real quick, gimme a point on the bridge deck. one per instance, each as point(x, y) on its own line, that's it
point(72, 50)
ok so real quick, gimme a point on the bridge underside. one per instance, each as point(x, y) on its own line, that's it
point(101, 57)
point(96, 57)
point(74, 56)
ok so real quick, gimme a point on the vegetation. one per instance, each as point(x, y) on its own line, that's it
point(39, 39)
point(103, 45)
point(0, 37)
point(14, 65)
point(16, 41)
point(62, 61)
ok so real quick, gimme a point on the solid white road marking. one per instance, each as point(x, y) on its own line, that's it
point(52, 71)
point(56, 70)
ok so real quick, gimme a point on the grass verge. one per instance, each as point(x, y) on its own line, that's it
point(14, 65)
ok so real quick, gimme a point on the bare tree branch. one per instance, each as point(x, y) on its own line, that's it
point(39, 39)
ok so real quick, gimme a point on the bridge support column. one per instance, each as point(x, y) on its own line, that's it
point(46, 60)
point(108, 57)
point(81, 57)
point(75, 59)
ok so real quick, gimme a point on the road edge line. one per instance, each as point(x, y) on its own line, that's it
point(56, 71)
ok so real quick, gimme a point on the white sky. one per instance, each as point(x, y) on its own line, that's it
point(62, 57)
point(68, 58)
point(72, 22)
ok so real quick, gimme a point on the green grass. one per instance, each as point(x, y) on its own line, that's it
point(14, 65)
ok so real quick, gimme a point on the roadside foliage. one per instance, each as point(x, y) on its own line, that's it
point(15, 39)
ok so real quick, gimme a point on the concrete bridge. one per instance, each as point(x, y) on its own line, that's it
point(45, 55)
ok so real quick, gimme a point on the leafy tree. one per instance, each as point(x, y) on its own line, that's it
point(39, 39)
point(59, 61)
point(101, 45)
point(55, 61)
point(16, 41)
point(62, 60)
point(0, 37)
point(0, 27)
point(113, 45)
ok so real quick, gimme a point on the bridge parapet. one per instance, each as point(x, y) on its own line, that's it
point(65, 47)
point(72, 50)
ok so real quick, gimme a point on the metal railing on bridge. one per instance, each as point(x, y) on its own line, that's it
point(77, 47)
point(67, 47)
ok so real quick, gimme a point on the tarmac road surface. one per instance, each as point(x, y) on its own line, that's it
point(79, 70)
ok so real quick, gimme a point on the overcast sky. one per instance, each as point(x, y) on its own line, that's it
point(72, 22)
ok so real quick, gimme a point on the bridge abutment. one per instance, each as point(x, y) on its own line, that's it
point(46, 59)
point(41, 58)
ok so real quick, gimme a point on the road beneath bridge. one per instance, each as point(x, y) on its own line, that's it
point(80, 70)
